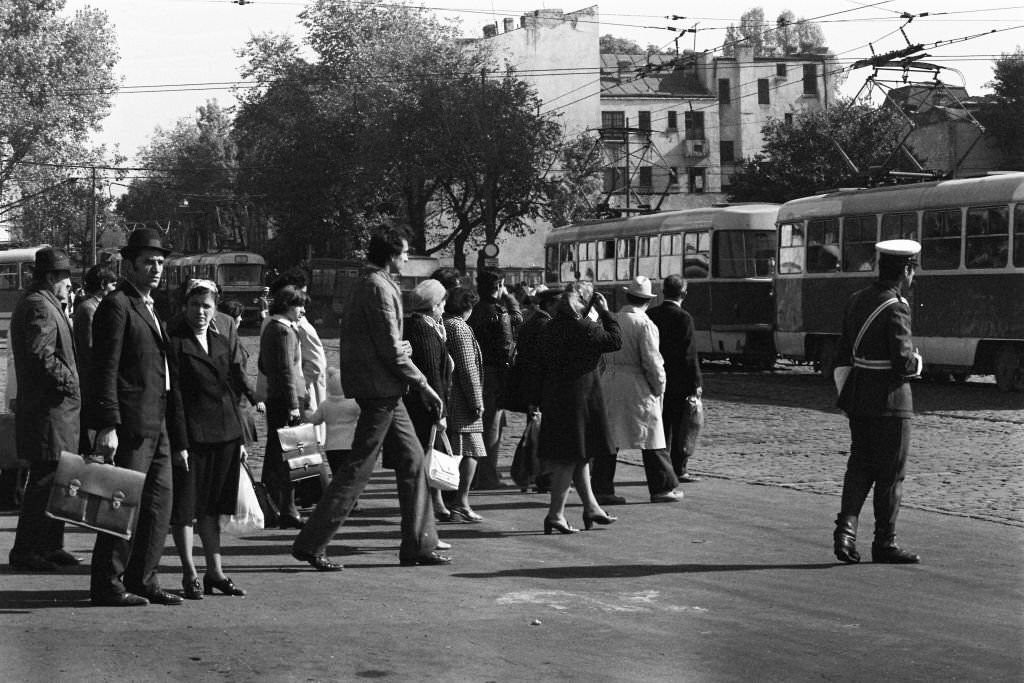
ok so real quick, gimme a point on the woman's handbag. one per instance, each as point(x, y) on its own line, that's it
point(525, 463)
point(101, 497)
point(301, 450)
point(248, 513)
point(442, 466)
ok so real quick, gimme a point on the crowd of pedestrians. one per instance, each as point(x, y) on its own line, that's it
point(166, 398)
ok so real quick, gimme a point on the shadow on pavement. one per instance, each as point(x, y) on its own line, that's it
point(20, 601)
point(635, 570)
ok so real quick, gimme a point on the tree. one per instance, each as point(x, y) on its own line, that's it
point(574, 189)
point(612, 45)
point(804, 157)
point(789, 35)
point(57, 80)
point(1003, 112)
point(190, 189)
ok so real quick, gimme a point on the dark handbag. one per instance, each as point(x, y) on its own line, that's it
point(301, 450)
point(101, 497)
point(525, 463)
point(271, 514)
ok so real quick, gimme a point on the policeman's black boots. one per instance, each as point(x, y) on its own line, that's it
point(845, 537)
point(885, 551)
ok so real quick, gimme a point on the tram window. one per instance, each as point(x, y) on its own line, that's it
point(940, 239)
point(696, 247)
point(606, 260)
point(9, 277)
point(240, 274)
point(988, 237)
point(625, 258)
point(551, 263)
point(671, 248)
point(899, 226)
point(1018, 235)
point(859, 236)
point(743, 253)
point(647, 256)
point(587, 252)
point(791, 248)
point(567, 261)
point(823, 246)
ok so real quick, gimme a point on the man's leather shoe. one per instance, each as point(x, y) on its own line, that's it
point(610, 499)
point(667, 497)
point(688, 479)
point(162, 597)
point(121, 600)
point(63, 558)
point(892, 554)
point(433, 557)
point(318, 562)
point(31, 562)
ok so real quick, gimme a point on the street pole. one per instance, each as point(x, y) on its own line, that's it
point(92, 216)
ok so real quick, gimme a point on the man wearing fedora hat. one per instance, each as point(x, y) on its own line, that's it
point(633, 383)
point(876, 342)
point(127, 400)
point(48, 406)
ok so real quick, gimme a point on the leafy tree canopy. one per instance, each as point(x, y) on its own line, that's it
point(787, 36)
point(802, 158)
point(1003, 113)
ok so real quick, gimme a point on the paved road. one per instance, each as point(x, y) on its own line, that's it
point(737, 583)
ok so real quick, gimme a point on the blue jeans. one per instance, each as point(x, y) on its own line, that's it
point(384, 424)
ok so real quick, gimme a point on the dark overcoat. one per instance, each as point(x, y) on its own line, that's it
point(878, 392)
point(204, 406)
point(49, 400)
point(430, 355)
point(128, 375)
point(678, 348)
point(574, 427)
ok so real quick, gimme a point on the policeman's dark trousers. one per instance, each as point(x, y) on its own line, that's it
point(383, 425)
point(680, 434)
point(657, 468)
point(119, 565)
point(38, 533)
point(878, 456)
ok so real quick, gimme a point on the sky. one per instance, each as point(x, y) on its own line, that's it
point(176, 54)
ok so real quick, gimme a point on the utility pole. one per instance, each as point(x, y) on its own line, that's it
point(92, 216)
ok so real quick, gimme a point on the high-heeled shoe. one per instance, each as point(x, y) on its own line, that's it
point(590, 520)
point(225, 586)
point(463, 515)
point(551, 525)
point(190, 589)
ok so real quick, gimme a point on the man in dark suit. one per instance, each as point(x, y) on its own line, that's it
point(48, 406)
point(377, 370)
point(876, 396)
point(683, 387)
point(127, 405)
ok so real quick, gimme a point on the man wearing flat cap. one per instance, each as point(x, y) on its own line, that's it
point(48, 407)
point(127, 405)
point(877, 356)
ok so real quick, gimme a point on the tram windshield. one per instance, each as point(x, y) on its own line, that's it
point(241, 274)
point(744, 253)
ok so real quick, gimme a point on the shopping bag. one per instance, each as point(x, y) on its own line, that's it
point(105, 498)
point(525, 464)
point(301, 450)
point(248, 513)
point(694, 423)
point(442, 466)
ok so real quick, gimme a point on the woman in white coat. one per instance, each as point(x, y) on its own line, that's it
point(633, 382)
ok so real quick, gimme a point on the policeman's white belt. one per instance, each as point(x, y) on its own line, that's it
point(866, 364)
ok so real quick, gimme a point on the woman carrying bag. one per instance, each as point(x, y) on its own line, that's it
point(206, 436)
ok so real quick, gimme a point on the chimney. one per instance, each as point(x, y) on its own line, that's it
point(490, 30)
point(509, 23)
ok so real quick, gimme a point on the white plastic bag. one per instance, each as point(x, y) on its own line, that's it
point(248, 514)
point(442, 466)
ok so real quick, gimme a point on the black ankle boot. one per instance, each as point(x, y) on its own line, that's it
point(845, 539)
point(887, 552)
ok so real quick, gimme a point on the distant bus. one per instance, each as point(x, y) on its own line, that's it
point(332, 278)
point(968, 295)
point(16, 266)
point(237, 274)
point(726, 253)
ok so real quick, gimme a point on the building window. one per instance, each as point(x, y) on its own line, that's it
point(762, 91)
point(694, 125)
point(673, 176)
point(697, 180)
point(727, 151)
point(644, 122)
point(644, 180)
point(788, 119)
point(673, 121)
point(780, 70)
point(613, 122)
point(810, 79)
point(724, 96)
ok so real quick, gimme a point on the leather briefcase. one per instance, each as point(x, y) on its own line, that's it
point(301, 451)
point(101, 497)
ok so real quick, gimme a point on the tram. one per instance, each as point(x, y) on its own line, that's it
point(726, 253)
point(967, 299)
point(16, 266)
